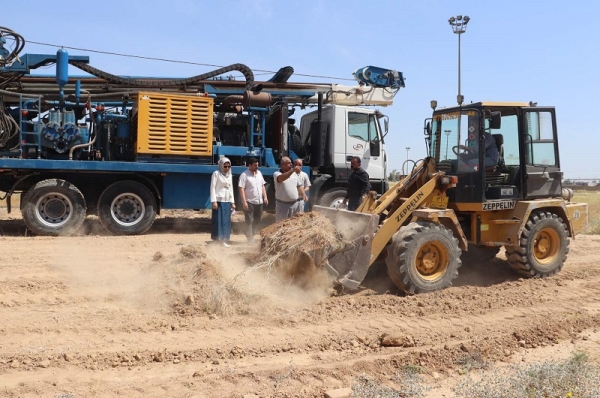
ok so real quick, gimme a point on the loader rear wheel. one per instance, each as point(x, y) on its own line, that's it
point(53, 207)
point(423, 257)
point(127, 208)
point(543, 247)
point(334, 198)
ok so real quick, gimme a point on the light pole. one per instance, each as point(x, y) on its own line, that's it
point(447, 132)
point(407, 149)
point(459, 26)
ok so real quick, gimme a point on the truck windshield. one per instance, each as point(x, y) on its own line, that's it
point(454, 140)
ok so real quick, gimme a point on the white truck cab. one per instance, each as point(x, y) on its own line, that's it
point(350, 131)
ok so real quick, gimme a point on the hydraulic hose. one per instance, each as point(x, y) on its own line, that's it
point(92, 124)
point(246, 71)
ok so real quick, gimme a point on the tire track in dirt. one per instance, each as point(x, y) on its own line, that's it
point(336, 335)
point(102, 344)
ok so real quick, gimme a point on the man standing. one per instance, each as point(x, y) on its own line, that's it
point(358, 185)
point(253, 195)
point(288, 189)
point(305, 181)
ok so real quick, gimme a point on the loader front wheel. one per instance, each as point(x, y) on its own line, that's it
point(423, 257)
point(543, 246)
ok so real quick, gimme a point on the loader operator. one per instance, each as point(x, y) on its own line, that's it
point(358, 185)
point(470, 160)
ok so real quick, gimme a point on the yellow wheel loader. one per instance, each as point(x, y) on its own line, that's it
point(491, 179)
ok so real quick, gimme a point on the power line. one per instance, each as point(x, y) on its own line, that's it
point(172, 60)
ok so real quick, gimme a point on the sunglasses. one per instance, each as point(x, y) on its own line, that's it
point(226, 167)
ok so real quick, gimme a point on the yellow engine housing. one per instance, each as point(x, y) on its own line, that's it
point(174, 125)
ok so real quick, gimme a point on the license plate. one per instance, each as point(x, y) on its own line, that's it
point(439, 202)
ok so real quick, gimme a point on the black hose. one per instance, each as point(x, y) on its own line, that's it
point(246, 71)
point(8, 34)
point(9, 127)
point(19, 45)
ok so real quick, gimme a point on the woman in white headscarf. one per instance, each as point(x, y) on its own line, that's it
point(223, 203)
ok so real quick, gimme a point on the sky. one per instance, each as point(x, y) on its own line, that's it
point(515, 50)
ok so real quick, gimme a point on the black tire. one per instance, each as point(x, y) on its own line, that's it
point(297, 146)
point(477, 255)
point(127, 208)
point(333, 198)
point(543, 246)
point(423, 257)
point(53, 207)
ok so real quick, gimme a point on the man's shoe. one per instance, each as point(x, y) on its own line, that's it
point(225, 244)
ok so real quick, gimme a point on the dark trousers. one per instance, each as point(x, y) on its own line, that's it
point(253, 217)
point(220, 223)
point(353, 203)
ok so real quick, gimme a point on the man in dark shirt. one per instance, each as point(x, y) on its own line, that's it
point(470, 161)
point(358, 185)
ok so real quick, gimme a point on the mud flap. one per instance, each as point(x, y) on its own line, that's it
point(349, 265)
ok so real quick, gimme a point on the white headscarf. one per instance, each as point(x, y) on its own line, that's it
point(222, 162)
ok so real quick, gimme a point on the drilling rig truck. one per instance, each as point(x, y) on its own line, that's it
point(124, 148)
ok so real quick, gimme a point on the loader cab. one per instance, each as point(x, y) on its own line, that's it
point(525, 138)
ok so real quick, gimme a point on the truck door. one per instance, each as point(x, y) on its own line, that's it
point(364, 140)
point(542, 173)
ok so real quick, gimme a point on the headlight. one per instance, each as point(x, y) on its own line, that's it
point(567, 194)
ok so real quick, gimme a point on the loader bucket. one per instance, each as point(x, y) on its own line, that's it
point(349, 265)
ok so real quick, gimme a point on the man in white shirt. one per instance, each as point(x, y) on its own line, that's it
point(303, 177)
point(253, 195)
point(288, 188)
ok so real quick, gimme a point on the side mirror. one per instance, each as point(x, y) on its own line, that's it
point(495, 120)
point(427, 127)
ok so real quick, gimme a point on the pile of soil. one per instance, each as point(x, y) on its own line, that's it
point(299, 247)
point(204, 290)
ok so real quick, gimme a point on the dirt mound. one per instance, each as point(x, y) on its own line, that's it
point(298, 248)
point(207, 290)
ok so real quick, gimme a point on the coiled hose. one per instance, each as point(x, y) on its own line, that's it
point(9, 127)
point(19, 44)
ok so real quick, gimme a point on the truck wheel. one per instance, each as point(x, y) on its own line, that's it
point(127, 208)
point(53, 207)
point(333, 198)
point(423, 257)
point(297, 146)
point(479, 254)
point(543, 247)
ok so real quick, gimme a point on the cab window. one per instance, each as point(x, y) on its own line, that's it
point(540, 139)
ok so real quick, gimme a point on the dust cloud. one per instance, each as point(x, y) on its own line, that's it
point(274, 287)
point(116, 279)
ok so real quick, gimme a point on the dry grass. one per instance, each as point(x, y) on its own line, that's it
point(575, 377)
point(592, 198)
point(408, 383)
point(207, 290)
point(296, 249)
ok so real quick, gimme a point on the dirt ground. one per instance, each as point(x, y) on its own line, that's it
point(168, 314)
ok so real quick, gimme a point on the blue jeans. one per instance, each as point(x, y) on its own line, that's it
point(469, 165)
